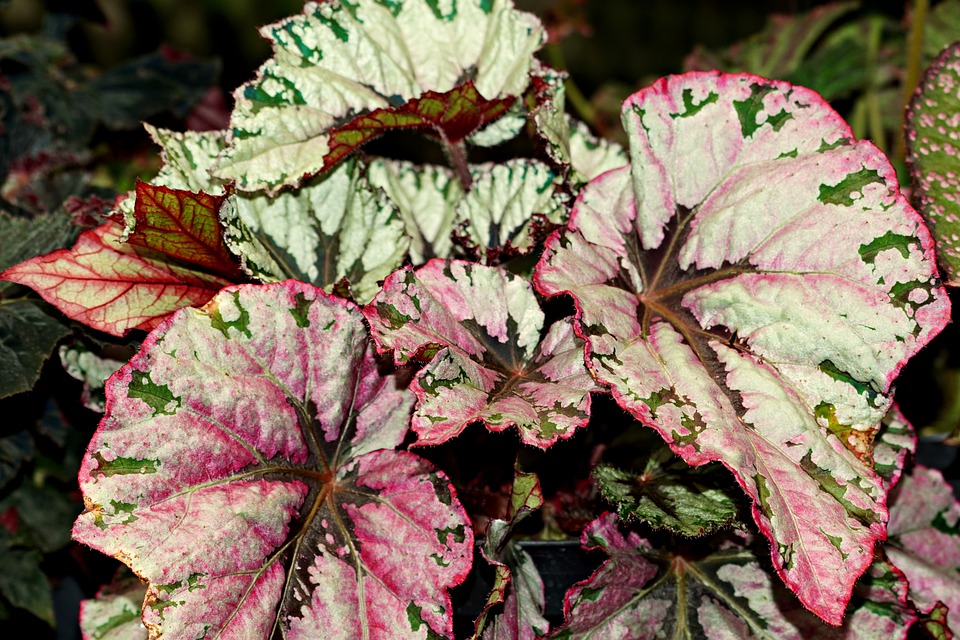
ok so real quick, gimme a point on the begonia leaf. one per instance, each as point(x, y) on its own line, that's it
point(28, 335)
point(642, 593)
point(516, 583)
point(505, 200)
point(344, 72)
point(114, 614)
point(113, 286)
point(896, 439)
point(479, 327)
point(258, 494)
point(335, 226)
point(924, 539)
point(92, 370)
point(669, 494)
point(933, 129)
point(183, 225)
point(426, 197)
point(756, 326)
point(569, 141)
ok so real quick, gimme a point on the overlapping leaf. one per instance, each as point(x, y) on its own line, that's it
point(642, 593)
point(344, 72)
point(933, 135)
point(256, 492)
point(517, 585)
point(114, 614)
point(925, 538)
point(479, 327)
point(335, 226)
point(500, 213)
point(750, 288)
point(111, 285)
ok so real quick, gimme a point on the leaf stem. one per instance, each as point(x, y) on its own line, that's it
point(578, 101)
point(456, 153)
point(911, 78)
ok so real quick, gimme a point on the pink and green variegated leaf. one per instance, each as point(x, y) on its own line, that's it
point(479, 329)
point(114, 286)
point(933, 137)
point(516, 583)
point(896, 439)
point(754, 325)
point(183, 225)
point(114, 614)
point(925, 538)
point(258, 494)
point(643, 593)
point(344, 72)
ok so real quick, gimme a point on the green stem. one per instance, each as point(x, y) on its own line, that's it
point(585, 110)
point(911, 78)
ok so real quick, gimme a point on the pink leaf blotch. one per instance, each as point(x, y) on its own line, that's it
point(246, 469)
point(750, 287)
point(479, 329)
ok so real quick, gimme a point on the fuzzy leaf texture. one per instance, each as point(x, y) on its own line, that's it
point(111, 285)
point(345, 72)
point(641, 593)
point(257, 493)
point(479, 328)
point(933, 137)
point(750, 288)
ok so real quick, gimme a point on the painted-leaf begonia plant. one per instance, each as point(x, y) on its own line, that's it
point(322, 334)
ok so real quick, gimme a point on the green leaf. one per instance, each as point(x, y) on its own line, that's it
point(24, 584)
point(28, 334)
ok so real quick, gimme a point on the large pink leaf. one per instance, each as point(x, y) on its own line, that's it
point(480, 328)
point(750, 288)
point(113, 286)
point(245, 469)
point(642, 593)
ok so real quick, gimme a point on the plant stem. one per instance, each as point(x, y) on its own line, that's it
point(457, 156)
point(911, 76)
point(578, 101)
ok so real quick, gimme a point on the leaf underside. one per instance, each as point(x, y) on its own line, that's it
point(759, 327)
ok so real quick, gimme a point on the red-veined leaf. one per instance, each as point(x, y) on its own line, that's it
point(343, 72)
point(245, 469)
point(480, 329)
point(183, 225)
point(113, 286)
point(750, 288)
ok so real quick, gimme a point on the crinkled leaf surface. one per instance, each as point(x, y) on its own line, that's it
point(644, 593)
point(925, 538)
point(896, 439)
point(344, 72)
point(669, 494)
point(933, 135)
point(335, 226)
point(28, 334)
point(245, 468)
point(113, 286)
point(479, 327)
point(753, 324)
point(516, 583)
